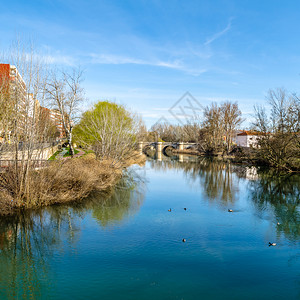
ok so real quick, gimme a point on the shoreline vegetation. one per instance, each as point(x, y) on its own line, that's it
point(64, 181)
point(239, 156)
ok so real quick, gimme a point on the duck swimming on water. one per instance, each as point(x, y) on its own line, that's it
point(170, 210)
point(272, 244)
point(230, 210)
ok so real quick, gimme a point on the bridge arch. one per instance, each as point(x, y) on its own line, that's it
point(168, 146)
point(162, 146)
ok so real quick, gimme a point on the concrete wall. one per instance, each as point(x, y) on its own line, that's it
point(36, 155)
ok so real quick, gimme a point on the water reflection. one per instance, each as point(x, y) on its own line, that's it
point(35, 245)
point(119, 203)
point(28, 240)
point(280, 197)
point(214, 177)
point(275, 197)
point(217, 180)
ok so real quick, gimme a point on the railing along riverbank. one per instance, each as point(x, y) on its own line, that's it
point(38, 163)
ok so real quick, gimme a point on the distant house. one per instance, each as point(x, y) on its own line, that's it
point(247, 139)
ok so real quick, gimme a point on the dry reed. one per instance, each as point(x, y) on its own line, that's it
point(60, 182)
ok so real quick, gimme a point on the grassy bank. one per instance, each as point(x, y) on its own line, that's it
point(66, 153)
point(62, 181)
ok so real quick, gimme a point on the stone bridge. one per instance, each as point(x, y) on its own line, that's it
point(161, 146)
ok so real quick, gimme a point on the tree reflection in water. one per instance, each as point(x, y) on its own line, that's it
point(113, 206)
point(269, 192)
point(281, 196)
point(214, 177)
point(28, 240)
point(217, 179)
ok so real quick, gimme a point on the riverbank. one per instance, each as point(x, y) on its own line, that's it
point(240, 156)
point(61, 182)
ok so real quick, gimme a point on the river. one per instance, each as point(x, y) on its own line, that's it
point(126, 244)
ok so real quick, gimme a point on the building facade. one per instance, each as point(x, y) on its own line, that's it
point(56, 118)
point(13, 96)
point(23, 111)
point(247, 139)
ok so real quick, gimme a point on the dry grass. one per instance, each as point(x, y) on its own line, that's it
point(61, 182)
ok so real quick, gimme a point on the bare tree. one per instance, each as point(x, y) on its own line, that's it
point(279, 142)
point(26, 75)
point(66, 94)
point(212, 129)
point(231, 119)
point(219, 126)
point(177, 133)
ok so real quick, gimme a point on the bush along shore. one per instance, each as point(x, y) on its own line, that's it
point(276, 160)
point(62, 181)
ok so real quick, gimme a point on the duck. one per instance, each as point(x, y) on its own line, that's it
point(230, 210)
point(170, 210)
point(272, 244)
point(183, 240)
point(278, 223)
point(185, 208)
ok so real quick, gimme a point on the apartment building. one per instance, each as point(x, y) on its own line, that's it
point(13, 94)
point(56, 117)
point(23, 106)
point(13, 85)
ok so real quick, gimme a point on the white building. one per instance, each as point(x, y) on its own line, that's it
point(247, 139)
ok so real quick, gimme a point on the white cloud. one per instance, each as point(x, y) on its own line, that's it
point(218, 34)
point(52, 59)
point(119, 60)
point(59, 59)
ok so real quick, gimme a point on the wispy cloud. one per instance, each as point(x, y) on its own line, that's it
point(60, 59)
point(115, 59)
point(219, 34)
point(52, 59)
point(119, 60)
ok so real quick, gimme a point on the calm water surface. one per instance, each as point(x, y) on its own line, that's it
point(127, 245)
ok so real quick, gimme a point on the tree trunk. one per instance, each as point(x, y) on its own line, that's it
point(70, 142)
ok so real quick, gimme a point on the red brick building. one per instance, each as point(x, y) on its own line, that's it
point(24, 107)
point(13, 96)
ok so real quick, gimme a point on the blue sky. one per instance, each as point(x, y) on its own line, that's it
point(147, 54)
